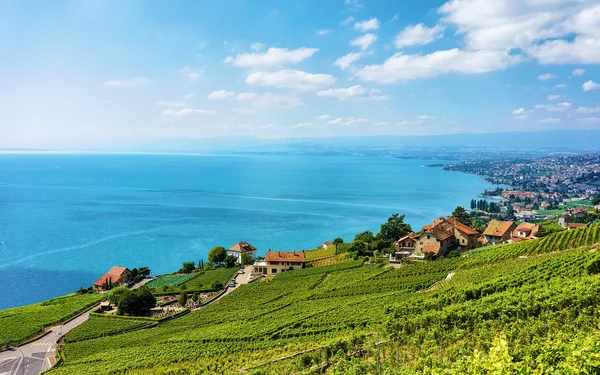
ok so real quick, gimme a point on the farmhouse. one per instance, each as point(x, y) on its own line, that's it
point(527, 231)
point(242, 248)
point(279, 261)
point(326, 245)
point(116, 276)
point(498, 231)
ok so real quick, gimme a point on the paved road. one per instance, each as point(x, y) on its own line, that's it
point(32, 359)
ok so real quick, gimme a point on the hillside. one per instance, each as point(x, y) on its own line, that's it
point(529, 307)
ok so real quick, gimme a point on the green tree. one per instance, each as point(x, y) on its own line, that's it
point(217, 255)
point(136, 302)
point(510, 212)
point(395, 228)
point(195, 297)
point(338, 240)
point(187, 267)
point(115, 295)
point(230, 261)
point(461, 215)
point(359, 247)
point(246, 259)
point(365, 237)
point(144, 271)
point(182, 299)
point(217, 285)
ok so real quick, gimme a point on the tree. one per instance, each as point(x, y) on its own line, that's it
point(195, 297)
point(182, 299)
point(359, 248)
point(217, 255)
point(116, 294)
point(510, 211)
point(395, 228)
point(365, 237)
point(461, 215)
point(338, 241)
point(144, 271)
point(473, 204)
point(136, 302)
point(246, 259)
point(230, 261)
point(135, 273)
point(217, 285)
point(187, 267)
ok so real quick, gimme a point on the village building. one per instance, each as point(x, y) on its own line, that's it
point(575, 225)
point(279, 261)
point(498, 231)
point(115, 277)
point(326, 245)
point(242, 248)
point(527, 231)
point(579, 212)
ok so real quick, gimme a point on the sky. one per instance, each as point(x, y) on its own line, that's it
point(93, 73)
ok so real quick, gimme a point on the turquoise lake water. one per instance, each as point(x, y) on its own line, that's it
point(66, 219)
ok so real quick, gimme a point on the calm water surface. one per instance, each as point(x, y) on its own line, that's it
point(66, 219)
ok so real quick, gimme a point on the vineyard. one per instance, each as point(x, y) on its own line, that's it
point(170, 280)
point(100, 327)
point(528, 307)
point(19, 323)
point(319, 253)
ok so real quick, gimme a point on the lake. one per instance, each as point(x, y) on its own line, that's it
point(66, 219)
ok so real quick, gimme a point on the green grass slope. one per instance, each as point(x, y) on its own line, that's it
point(528, 308)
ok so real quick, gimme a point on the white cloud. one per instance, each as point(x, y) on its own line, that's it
point(419, 35)
point(192, 74)
point(547, 76)
point(519, 111)
point(404, 67)
point(169, 103)
point(323, 117)
point(563, 106)
point(130, 82)
point(578, 72)
point(368, 25)
point(589, 120)
point(549, 120)
point(220, 94)
point(364, 42)
point(246, 96)
point(289, 78)
point(347, 20)
point(345, 61)
point(324, 32)
point(186, 112)
point(553, 98)
point(256, 46)
point(336, 121)
point(357, 92)
point(352, 121)
point(521, 117)
point(188, 96)
point(590, 85)
point(588, 109)
point(425, 117)
point(560, 86)
point(303, 125)
point(271, 58)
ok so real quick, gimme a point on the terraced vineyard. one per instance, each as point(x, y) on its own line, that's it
point(196, 282)
point(100, 327)
point(170, 280)
point(528, 307)
point(319, 253)
point(20, 323)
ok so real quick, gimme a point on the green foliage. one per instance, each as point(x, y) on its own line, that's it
point(593, 267)
point(217, 255)
point(202, 281)
point(246, 259)
point(187, 267)
point(217, 285)
point(338, 240)
point(527, 308)
point(319, 253)
point(230, 261)
point(19, 323)
point(182, 300)
point(115, 295)
point(394, 228)
point(365, 237)
point(461, 215)
point(100, 327)
point(137, 302)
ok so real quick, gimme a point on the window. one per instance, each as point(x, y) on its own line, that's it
point(274, 270)
point(428, 236)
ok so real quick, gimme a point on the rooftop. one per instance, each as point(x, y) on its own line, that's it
point(242, 247)
point(498, 228)
point(283, 256)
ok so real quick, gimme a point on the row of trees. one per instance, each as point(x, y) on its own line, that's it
point(484, 205)
point(217, 257)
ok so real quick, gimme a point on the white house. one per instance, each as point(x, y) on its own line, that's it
point(242, 248)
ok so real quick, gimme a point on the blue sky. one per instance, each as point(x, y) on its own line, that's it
point(94, 73)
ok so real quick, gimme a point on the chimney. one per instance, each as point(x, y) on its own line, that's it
point(278, 253)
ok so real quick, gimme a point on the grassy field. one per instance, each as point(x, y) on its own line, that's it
point(99, 327)
point(196, 282)
point(19, 323)
point(170, 280)
point(509, 306)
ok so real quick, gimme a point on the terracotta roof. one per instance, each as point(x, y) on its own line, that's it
point(461, 227)
point(525, 227)
point(433, 224)
point(580, 210)
point(114, 274)
point(431, 249)
point(282, 256)
point(411, 236)
point(575, 225)
point(440, 233)
point(498, 228)
point(242, 247)
point(327, 243)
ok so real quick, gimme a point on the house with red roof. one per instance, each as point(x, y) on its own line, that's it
point(498, 231)
point(527, 231)
point(279, 261)
point(114, 277)
point(242, 248)
point(442, 236)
